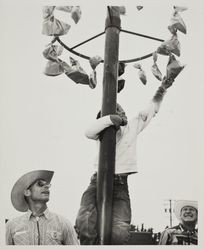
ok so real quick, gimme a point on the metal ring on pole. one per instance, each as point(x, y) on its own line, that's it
point(87, 57)
point(56, 38)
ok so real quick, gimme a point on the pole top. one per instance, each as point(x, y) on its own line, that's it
point(113, 17)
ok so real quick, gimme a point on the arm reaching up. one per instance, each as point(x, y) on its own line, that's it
point(120, 118)
point(153, 108)
point(166, 83)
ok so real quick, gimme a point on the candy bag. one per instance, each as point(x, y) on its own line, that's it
point(170, 46)
point(121, 84)
point(76, 73)
point(156, 72)
point(76, 14)
point(66, 67)
point(52, 52)
point(55, 27)
point(141, 73)
point(176, 22)
point(92, 80)
point(121, 68)
point(173, 67)
point(139, 7)
point(64, 8)
point(155, 69)
point(94, 61)
point(51, 25)
point(48, 11)
point(53, 69)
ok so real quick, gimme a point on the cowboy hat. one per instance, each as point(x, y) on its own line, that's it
point(179, 204)
point(17, 193)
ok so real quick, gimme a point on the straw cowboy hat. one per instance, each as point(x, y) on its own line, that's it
point(17, 193)
point(179, 204)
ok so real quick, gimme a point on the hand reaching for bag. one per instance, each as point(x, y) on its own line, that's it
point(166, 83)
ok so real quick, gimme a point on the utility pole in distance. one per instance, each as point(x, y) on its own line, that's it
point(169, 210)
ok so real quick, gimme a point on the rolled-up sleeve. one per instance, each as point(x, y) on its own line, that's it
point(145, 116)
point(92, 132)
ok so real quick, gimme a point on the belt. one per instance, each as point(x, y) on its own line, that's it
point(118, 177)
point(122, 179)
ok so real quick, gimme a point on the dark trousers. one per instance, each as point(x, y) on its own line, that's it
point(86, 221)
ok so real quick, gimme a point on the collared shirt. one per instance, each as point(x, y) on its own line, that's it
point(48, 229)
point(179, 236)
point(126, 138)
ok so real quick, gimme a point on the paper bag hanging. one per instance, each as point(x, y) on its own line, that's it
point(176, 22)
point(64, 8)
point(173, 67)
point(141, 73)
point(95, 61)
point(53, 69)
point(76, 14)
point(170, 46)
point(75, 72)
point(155, 69)
point(92, 80)
point(52, 52)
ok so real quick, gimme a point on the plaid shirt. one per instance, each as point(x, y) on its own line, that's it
point(179, 236)
point(48, 229)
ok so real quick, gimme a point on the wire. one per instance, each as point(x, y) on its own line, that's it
point(137, 34)
point(88, 40)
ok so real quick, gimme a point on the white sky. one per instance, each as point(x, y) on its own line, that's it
point(43, 118)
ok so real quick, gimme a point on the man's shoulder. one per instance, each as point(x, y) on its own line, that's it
point(16, 220)
point(60, 218)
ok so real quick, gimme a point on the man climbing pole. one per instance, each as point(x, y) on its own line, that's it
point(125, 164)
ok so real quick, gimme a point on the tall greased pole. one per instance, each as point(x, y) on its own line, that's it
point(108, 139)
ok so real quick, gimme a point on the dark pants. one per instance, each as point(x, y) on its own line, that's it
point(86, 222)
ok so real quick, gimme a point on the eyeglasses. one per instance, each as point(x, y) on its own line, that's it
point(41, 183)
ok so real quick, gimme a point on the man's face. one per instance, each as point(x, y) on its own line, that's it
point(39, 191)
point(188, 214)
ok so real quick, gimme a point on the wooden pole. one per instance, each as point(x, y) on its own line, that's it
point(106, 167)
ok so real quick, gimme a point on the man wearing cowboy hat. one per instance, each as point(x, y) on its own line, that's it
point(38, 226)
point(185, 233)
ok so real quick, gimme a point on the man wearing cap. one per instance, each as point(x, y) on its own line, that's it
point(186, 232)
point(38, 226)
point(125, 164)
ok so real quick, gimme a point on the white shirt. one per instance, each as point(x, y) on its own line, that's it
point(126, 138)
